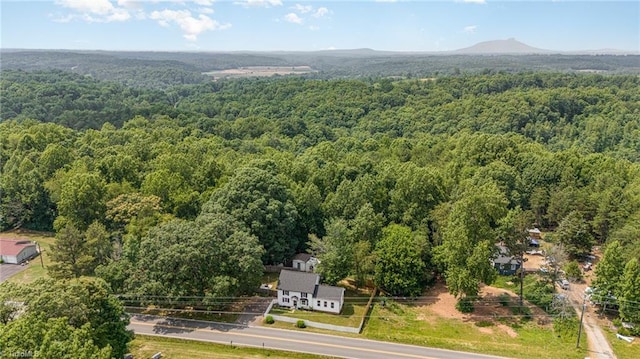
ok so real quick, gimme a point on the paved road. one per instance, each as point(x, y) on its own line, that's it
point(295, 341)
point(9, 270)
point(598, 345)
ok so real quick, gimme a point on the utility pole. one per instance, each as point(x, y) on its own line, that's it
point(40, 251)
point(584, 305)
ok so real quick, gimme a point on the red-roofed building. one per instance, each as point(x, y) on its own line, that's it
point(16, 251)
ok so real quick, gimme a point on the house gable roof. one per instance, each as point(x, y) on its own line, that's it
point(302, 257)
point(13, 247)
point(294, 281)
point(329, 292)
point(504, 257)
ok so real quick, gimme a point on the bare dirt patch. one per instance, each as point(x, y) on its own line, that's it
point(439, 303)
point(534, 261)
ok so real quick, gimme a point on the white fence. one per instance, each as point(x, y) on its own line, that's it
point(309, 323)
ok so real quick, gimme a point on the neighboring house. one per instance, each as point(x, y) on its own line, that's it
point(304, 262)
point(505, 263)
point(16, 251)
point(302, 290)
point(535, 233)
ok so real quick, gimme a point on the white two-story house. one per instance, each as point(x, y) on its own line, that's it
point(302, 290)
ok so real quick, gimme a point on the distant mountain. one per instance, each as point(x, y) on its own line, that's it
point(509, 46)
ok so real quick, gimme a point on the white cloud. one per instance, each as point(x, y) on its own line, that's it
point(314, 27)
point(94, 10)
point(130, 4)
point(322, 11)
point(475, 1)
point(101, 7)
point(203, 2)
point(118, 15)
point(303, 9)
point(205, 10)
point(190, 26)
point(258, 3)
point(470, 28)
point(293, 18)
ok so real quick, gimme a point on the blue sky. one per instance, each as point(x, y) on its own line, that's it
point(263, 25)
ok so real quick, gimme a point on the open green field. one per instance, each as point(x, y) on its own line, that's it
point(621, 348)
point(144, 346)
point(35, 269)
point(412, 325)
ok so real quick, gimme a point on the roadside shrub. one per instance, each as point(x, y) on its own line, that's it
point(300, 324)
point(484, 323)
point(617, 322)
point(465, 305)
point(566, 327)
point(524, 311)
point(540, 294)
point(269, 319)
point(504, 299)
point(624, 331)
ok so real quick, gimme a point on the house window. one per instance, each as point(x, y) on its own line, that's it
point(298, 265)
point(513, 267)
point(318, 303)
point(332, 305)
point(303, 302)
point(303, 295)
point(285, 300)
point(285, 292)
point(325, 303)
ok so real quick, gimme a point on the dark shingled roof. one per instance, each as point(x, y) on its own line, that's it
point(302, 257)
point(302, 282)
point(329, 292)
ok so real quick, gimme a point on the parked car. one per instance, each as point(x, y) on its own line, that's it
point(564, 284)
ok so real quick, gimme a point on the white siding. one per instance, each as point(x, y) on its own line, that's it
point(299, 265)
point(26, 253)
point(324, 305)
point(288, 299)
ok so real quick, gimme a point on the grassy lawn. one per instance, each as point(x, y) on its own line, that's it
point(355, 304)
point(405, 324)
point(35, 270)
point(144, 346)
point(621, 348)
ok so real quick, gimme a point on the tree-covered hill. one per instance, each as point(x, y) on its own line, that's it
point(165, 69)
point(256, 170)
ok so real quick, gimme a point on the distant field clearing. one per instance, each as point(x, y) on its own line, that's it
point(260, 71)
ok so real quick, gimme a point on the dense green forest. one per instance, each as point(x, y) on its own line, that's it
point(188, 190)
point(161, 70)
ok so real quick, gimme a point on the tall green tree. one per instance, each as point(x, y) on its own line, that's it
point(609, 272)
point(575, 235)
point(69, 254)
point(334, 250)
point(85, 306)
point(214, 257)
point(259, 198)
point(468, 239)
point(417, 191)
point(53, 338)
point(629, 293)
point(400, 267)
point(82, 199)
